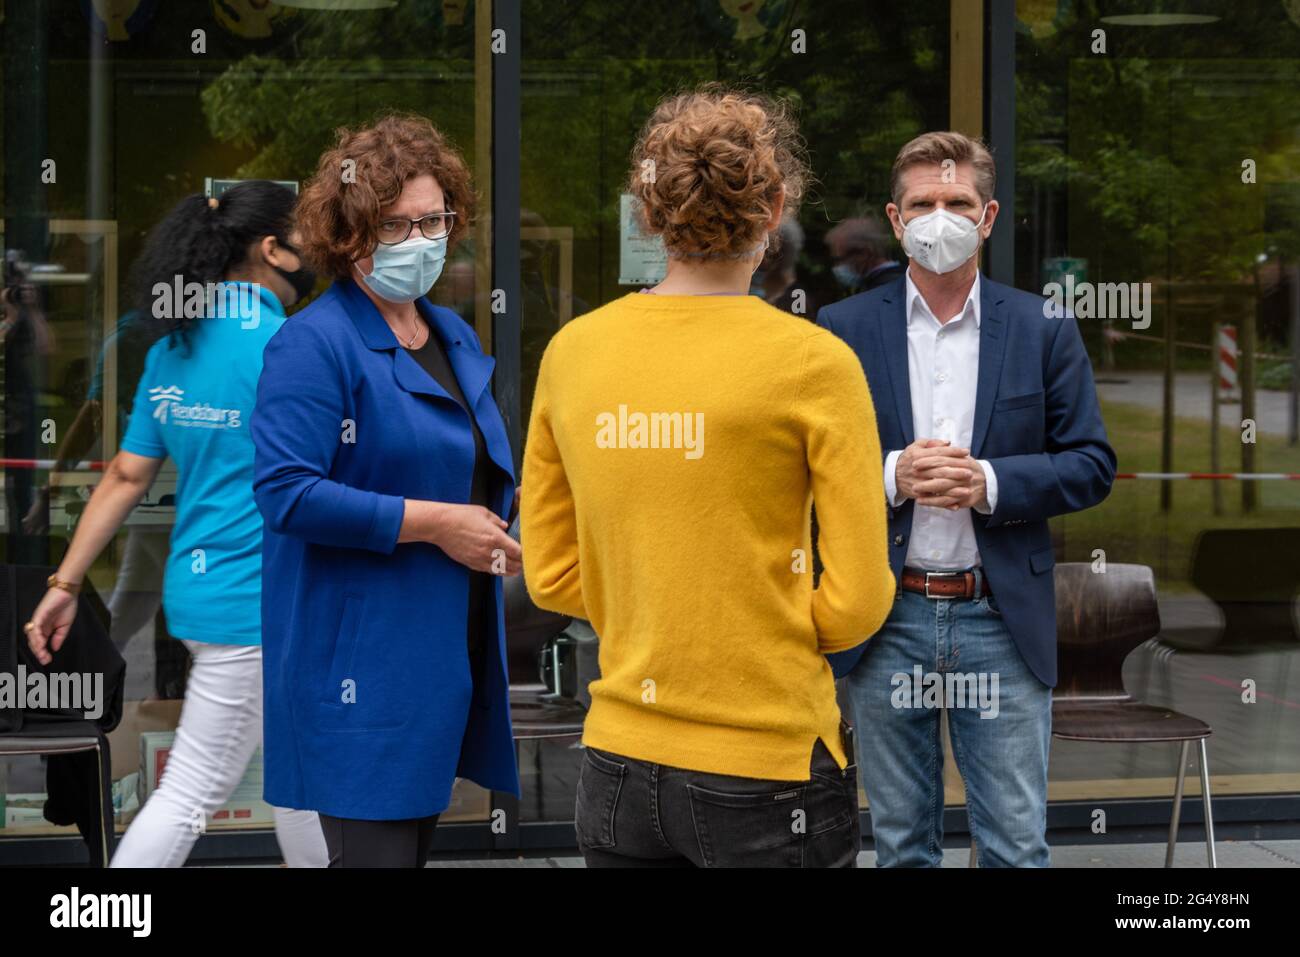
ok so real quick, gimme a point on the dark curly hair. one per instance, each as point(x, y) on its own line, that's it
point(708, 167)
point(338, 216)
point(202, 243)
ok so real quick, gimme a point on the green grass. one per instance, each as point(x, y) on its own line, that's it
point(1130, 526)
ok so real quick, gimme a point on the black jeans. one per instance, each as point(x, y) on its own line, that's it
point(356, 843)
point(632, 813)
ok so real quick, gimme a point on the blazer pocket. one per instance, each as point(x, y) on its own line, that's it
point(345, 646)
point(363, 691)
point(1012, 402)
point(1042, 560)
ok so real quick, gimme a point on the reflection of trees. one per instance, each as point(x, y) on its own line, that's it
point(874, 75)
point(1147, 144)
point(340, 68)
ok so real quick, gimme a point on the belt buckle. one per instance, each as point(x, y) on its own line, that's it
point(939, 575)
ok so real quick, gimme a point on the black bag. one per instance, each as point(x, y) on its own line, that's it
point(79, 784)
point(87, 649)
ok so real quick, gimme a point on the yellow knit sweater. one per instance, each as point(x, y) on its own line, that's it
point(674, 447)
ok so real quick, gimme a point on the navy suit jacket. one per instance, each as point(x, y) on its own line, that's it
point(1037, 423)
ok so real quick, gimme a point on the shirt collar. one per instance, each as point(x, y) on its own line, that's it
point(235, 299)
point(915, 302)
point(270, 299)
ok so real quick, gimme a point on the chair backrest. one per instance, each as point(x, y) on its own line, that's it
point(528, 628)
point(1253, 575)
point(1101, 616)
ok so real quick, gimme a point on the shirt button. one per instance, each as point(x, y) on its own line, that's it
point(941, 376)
point(935, 553)
point(898, 539)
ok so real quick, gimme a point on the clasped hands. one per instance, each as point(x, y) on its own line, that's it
point(940, 475)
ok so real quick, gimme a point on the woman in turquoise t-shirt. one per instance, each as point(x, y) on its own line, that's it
point(193, 404)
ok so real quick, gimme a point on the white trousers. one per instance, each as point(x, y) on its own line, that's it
point(220, 728)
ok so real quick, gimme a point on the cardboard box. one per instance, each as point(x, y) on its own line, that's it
point(245, 805)
point(469, 802)
point(138, 717)
point(23, 810)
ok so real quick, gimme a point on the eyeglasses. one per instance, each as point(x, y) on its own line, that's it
point(434, 226)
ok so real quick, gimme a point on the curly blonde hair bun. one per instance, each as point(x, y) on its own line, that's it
point(708, 168)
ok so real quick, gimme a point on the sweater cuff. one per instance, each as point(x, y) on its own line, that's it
point(386, 523)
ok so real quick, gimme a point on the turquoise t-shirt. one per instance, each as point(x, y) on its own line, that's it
point(194, 405)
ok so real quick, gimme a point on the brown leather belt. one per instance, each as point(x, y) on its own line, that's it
point(944, 584)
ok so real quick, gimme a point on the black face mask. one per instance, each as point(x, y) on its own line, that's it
point(302, 279)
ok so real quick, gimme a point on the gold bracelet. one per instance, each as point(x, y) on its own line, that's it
point(54, 582)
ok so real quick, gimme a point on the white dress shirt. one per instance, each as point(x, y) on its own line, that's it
point(942, 373)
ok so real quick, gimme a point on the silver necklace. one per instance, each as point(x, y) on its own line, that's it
point(410, 343)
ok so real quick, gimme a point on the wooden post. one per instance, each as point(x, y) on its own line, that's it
point(1216, 493)
point(1293, 424)
point(966, 67)
point(1167, 412)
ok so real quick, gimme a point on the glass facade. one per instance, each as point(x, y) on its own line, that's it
point(1166, 165)
point(113, 112)
point(1156, 160)
point(591, 76)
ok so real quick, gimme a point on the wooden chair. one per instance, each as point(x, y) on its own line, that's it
point(1100, 618)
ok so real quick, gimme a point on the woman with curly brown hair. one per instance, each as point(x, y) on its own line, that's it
point(714, 737)
point(385, 477)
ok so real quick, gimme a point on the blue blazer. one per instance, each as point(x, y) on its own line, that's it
point(1037, 423)
point(368, 707)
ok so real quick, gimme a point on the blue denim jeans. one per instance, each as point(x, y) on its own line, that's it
point(957, 653)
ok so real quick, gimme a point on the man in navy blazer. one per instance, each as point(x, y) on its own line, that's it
point(989, 426)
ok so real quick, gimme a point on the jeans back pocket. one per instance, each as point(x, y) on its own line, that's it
point(600, 782)
point(740, 828)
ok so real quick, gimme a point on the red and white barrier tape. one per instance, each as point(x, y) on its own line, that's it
point(50, 463)
point(1214, 476)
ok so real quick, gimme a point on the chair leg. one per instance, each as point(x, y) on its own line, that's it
point(1178, 803)
point(105, 826)
point(1209, 810)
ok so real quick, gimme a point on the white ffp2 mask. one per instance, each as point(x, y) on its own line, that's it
point(941, 241)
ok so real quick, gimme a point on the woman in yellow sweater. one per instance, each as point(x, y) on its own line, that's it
point(677, 438)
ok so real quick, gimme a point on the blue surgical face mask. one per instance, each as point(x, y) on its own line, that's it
point(405, 272)
point(848, 276)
